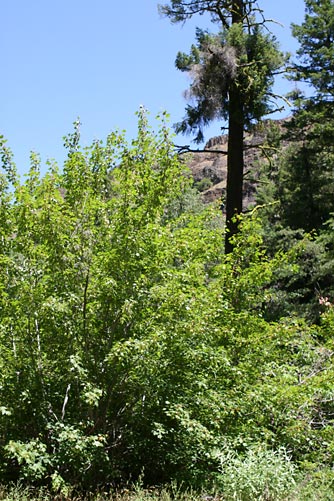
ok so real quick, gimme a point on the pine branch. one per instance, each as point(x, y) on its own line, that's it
point(181, 150)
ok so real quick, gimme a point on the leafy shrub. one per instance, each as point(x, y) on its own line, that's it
point(204, 184)
point(259, 474)
point(316, 485)
point(130, 343)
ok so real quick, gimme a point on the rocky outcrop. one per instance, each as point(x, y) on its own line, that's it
point(211, 164)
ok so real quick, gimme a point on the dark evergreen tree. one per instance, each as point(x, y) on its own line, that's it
point(298, 182)
point(232, 75)
point(316, 53)
point(306, 180)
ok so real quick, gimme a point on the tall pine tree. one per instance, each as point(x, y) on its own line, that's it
point(307, 177)
point(232, 75)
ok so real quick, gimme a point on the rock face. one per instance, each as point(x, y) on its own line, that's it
point(211, 165)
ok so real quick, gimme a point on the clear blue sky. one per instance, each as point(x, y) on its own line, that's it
point(100, 61)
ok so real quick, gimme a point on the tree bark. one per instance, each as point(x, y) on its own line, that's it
point(235, 168)
point(235, 157)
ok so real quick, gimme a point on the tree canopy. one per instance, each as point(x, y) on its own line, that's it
point(316, 53)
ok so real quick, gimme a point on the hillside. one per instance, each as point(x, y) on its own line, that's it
point(209, 168)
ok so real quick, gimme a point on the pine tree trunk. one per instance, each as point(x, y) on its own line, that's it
point(235, 166)
point(235, 158)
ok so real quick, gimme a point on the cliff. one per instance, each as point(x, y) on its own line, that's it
point(209, 168)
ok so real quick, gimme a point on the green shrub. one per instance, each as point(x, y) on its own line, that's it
point(260, 474)
point(315, 486)
point(203, 184)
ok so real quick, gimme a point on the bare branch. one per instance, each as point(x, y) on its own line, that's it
point(278, 96)
point(181, 150)
point(251, 212)
point(65, 401)
point(319, 366)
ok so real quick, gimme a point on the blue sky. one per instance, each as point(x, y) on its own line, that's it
point(98, 61)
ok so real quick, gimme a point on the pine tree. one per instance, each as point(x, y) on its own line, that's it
point(316, 53)
point(232, 75)
point(307, 177)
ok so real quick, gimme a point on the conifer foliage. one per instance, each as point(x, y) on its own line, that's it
point(305, 182)
point(232, 74)
point(315, 35)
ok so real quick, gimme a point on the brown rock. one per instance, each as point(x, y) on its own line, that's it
point(212, 163)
